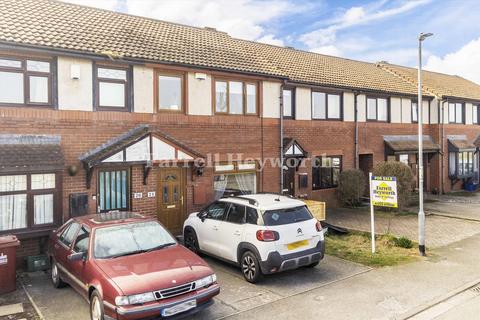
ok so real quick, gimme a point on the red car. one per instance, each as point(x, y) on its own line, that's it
point(130, 267)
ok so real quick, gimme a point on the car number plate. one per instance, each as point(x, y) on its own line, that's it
point(298, 244)
point(181, 307)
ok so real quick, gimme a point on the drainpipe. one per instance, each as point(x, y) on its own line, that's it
point(355, 103)
point(441, 105)
point(281, 136)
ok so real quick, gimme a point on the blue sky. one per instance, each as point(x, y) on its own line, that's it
point(364, 30)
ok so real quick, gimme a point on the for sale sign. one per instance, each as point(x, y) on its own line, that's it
point(383, 191)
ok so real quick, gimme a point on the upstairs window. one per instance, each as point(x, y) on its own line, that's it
point(25, 82)
point(170, 92)
point(326, 106)
point(456, 113)
point(377, 109)
point(414, 112)
point(288, 103)
point(475, 114)
point(112, 85)
point(235, 97)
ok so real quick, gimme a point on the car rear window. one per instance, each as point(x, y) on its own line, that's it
point(286, 216)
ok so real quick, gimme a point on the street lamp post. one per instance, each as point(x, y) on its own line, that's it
point(421, 213)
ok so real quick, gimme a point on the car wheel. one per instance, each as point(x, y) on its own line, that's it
point(251, 267)
point(312, 265)
point(191, 241)
point(55, 276)
point(96, 306)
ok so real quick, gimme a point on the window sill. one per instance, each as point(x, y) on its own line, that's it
point(22, 234)
point(322, 189)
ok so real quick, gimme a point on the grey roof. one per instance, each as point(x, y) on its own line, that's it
point(20, 153)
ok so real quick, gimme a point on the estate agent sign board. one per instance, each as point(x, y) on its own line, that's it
point(383, 193)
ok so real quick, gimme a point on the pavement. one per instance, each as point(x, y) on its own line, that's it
point(236, 295)
point(461, 205)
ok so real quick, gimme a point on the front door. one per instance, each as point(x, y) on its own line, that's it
point(365, 163)
point(170, 194)
point(289, 181)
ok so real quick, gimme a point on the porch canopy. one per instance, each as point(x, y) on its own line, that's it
point(292, 149)
point(460, 143)
point(399, 144)
point(142, 145)
point(30, 153)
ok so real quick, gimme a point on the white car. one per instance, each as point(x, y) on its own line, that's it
point(261, 233)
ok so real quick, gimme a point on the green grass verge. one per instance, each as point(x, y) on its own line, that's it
point(356, 247)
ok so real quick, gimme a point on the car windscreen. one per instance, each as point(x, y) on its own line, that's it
point(286, 216)
point(126, 239)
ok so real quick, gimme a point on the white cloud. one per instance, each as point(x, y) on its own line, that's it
point(330, 50)
point(270, 39)
point(102, 4)
point(464, 62)
point(244, 19)
point(355, 16)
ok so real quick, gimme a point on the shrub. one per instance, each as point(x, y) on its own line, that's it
point(404, 176)
point(351, 186)
point(402, 242)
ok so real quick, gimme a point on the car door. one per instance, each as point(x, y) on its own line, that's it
point(78, 268)
point(207, 232)
point(230, 231)
point(62, 248)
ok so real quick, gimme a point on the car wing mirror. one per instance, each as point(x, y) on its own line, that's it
point(77, 256)
point(202, 215)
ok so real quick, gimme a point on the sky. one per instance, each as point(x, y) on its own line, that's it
point(371, 30)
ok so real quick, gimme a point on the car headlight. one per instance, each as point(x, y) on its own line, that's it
point(135, 299)
point(204, 282)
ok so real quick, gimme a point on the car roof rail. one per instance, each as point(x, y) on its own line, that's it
point(277, 194)
point(253, 202)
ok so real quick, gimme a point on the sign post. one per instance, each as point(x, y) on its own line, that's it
point(383, 193)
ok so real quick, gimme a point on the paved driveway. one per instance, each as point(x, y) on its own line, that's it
point(236, 294)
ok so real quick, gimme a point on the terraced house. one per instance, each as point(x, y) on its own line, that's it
point(96, 106)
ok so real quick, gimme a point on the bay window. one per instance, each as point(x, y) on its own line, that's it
point(377, 109)
point(170, 92)
point(25, 81)
point(235, 179)
point(112, 88)
point(326, 106)
point(461, 164)
point(456, 113)
point(28, 201)
point(325, 172)
point(236, 97)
